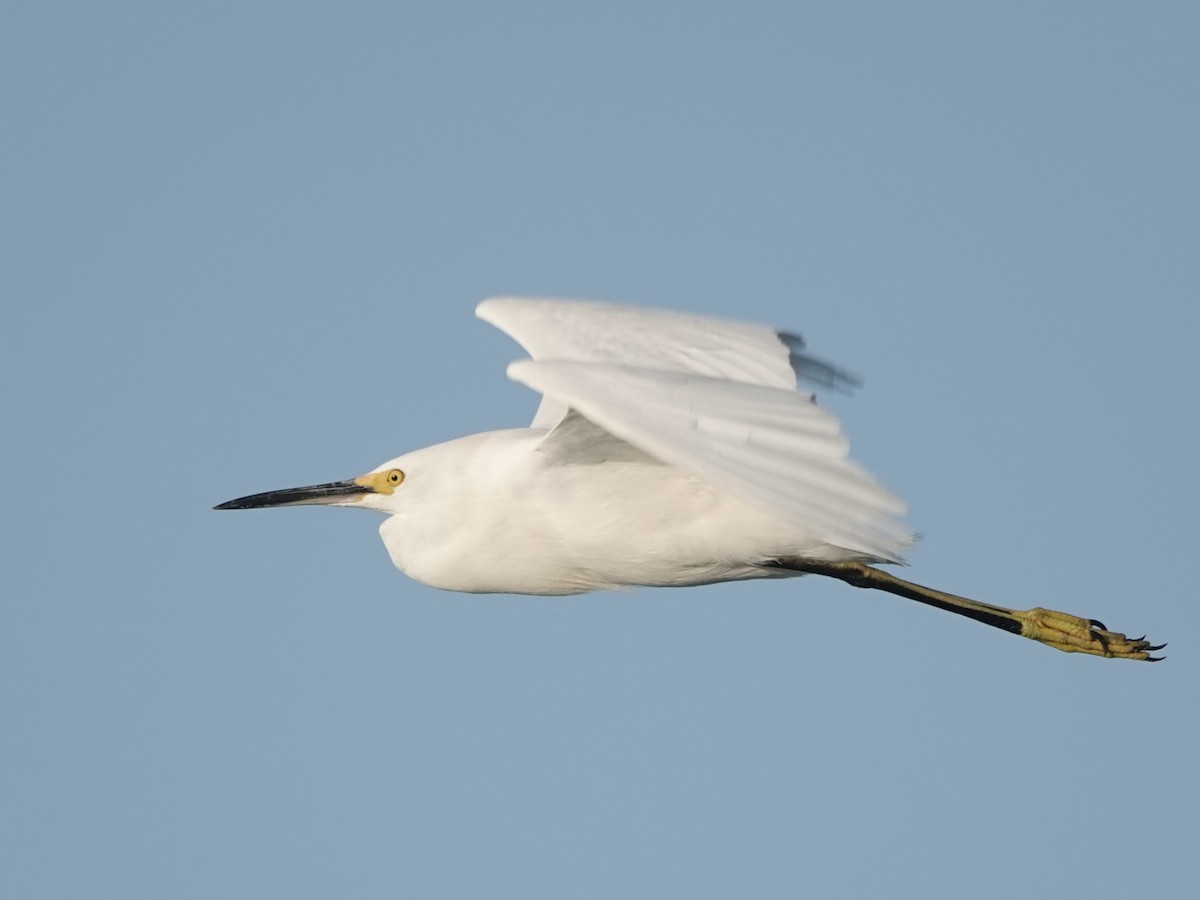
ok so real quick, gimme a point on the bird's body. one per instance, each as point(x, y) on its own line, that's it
point(491, 513)
point(669, 450)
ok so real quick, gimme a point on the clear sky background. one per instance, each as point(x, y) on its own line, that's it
point(241, 245)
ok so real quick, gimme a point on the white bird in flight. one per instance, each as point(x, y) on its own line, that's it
point(668, 450)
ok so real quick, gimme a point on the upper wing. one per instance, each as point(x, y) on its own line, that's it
point(586, 331)
point(714, 397)
point(771, 446)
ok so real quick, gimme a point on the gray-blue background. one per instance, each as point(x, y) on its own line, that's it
point(241, 244)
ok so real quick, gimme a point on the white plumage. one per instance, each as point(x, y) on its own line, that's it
point(669, 449)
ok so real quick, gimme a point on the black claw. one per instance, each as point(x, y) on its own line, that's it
point(1156, 646)
point(1096, 623)
point(1138, 640)
point(1155, 658)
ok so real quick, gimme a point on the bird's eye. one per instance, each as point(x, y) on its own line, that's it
point(395, 476)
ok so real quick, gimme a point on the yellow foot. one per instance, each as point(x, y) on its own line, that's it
point(1071, 634)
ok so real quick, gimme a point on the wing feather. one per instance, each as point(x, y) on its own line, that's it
point(588, 331)
point(768, 444)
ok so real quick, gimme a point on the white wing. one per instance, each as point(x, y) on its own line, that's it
point(714, 398)
point(587, 331)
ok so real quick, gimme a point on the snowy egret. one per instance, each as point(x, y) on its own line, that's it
point(668, 450)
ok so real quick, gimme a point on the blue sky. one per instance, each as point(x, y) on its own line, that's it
point(243, 243)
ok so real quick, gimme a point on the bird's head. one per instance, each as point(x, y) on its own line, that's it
point(375, 490)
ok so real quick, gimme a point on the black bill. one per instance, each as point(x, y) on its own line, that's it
point(317, 493)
